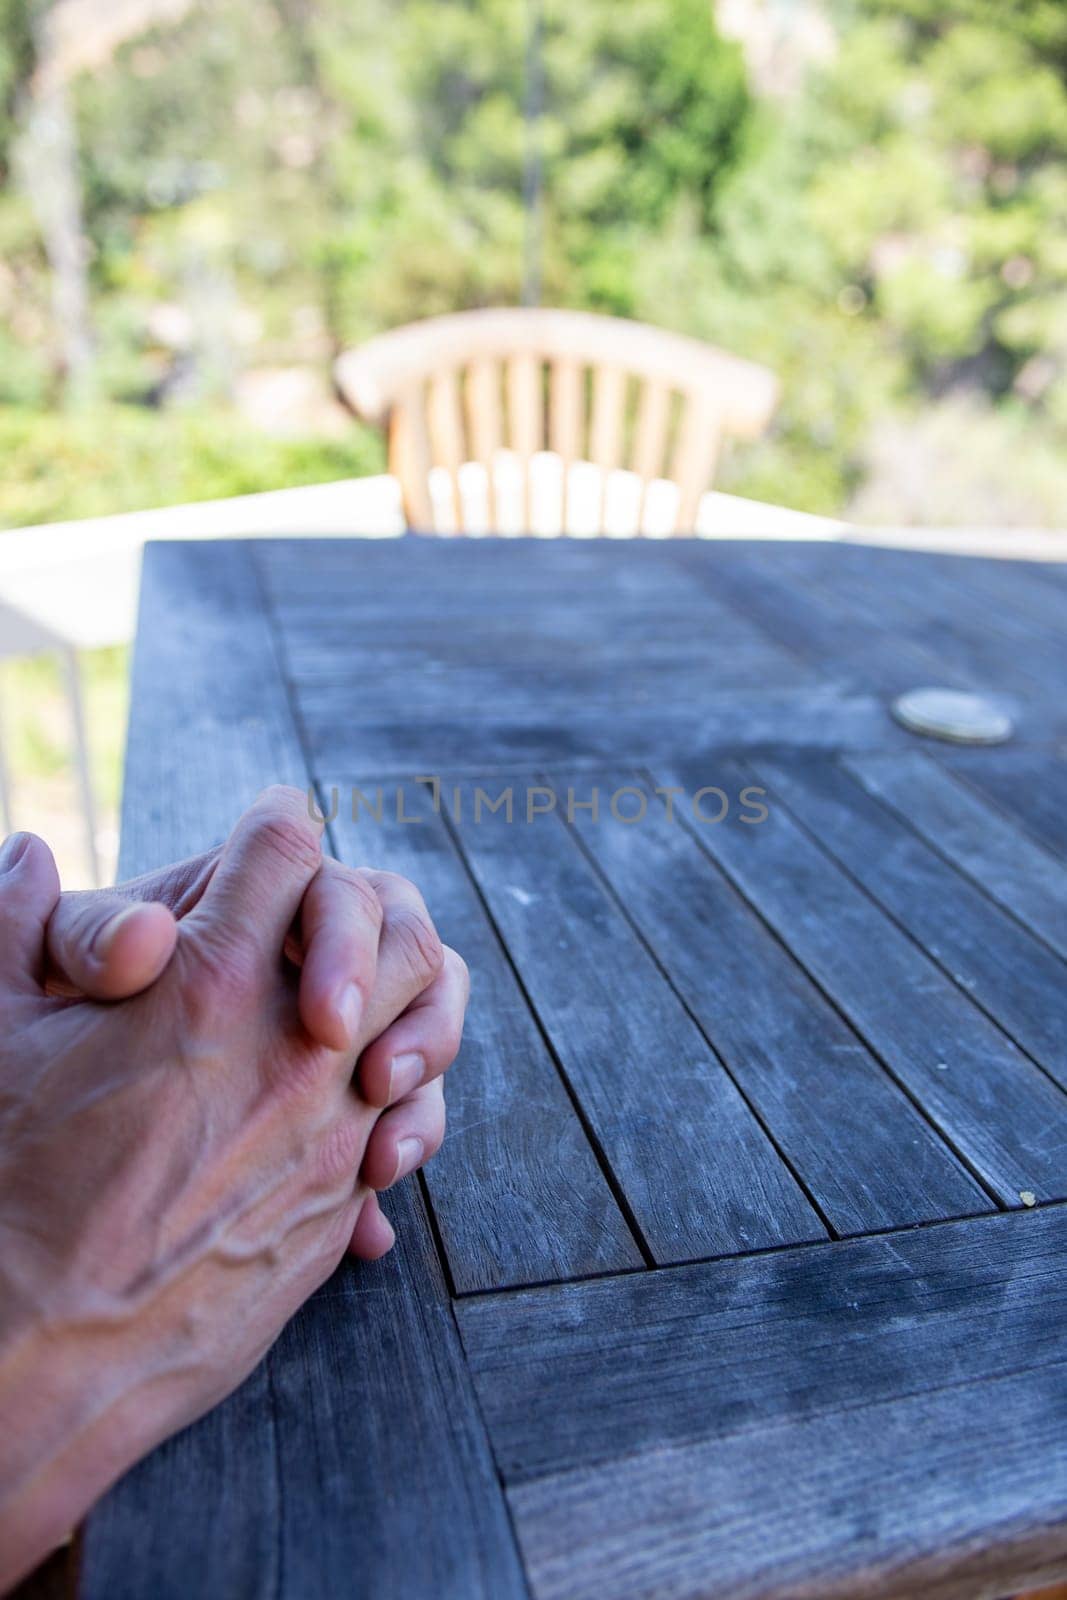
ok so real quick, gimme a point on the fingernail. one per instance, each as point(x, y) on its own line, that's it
point(409, 1155)
point(104, 937)
point(405, 1074)
point(14, 849)
point(350, 1007)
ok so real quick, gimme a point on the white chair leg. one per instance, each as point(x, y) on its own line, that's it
point(81, 756)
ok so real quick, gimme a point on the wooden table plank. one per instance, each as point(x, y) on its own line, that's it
point(345, 739)
point(1025, 878)
point(1028, 785)
point(696, 1170)
point(1021, 589)
point(282, 1490)
point(858, 649)
point(1013, 976)
point(517, 1192)
point(720, 1348)
point(868, 1159)
point(972, 626)
point(945, 1495)
point(927, 604)
point(536, 651)
point(602, 627)
point(885, 1416)
point(992, 1103)
point(586, 600)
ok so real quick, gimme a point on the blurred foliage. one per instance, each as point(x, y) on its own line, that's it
point(270, 180)
point(38, 732)
point(119, 458)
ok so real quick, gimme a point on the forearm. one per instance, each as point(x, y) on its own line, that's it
point(71, 1421)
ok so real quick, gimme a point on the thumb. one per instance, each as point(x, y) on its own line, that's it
point(105, 946)
point(29, 888)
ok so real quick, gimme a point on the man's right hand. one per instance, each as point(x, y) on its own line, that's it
point(178, 1170)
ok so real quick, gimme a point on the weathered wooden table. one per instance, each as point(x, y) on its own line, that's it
point(742, 1271)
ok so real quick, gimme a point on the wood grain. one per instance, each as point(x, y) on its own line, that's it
point(697, 1173)
point(1029, 786)
point(991, 1102)
point(1014, 977)
point(971, 631)
point(862, 1151)
point(882, 1417)
point(850, 647)
point(892, 618)
point(945, 1495)
point(572, 1375)
point(1028, 880)
point(568, 651)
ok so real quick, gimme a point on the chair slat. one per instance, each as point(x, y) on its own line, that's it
point(650, 439)
point(525, 417)
point(524, 404)
point(605, 434)
point(566, 431)
point(446, 434)
point(695, 457)
point(606, 425)
point(410, 458)
point(485, 423)
point(650, 436)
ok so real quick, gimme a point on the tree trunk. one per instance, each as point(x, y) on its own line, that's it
point(72, 36)
point(48, 158)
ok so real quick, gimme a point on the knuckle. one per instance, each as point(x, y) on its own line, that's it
point(417, 943)
point(436, 1136)
point(38, 850)
point(449, 1040)
point(360, 890)
point(284, 797)
point(81, 918)
point(293, 839)
point(27, 854)
point(453, 1043)
point(459, 969)
point(389, 883)
point(454, 1013)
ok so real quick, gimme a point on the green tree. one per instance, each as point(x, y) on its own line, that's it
point(279, 178)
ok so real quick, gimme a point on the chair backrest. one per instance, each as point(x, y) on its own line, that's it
point(481, 405)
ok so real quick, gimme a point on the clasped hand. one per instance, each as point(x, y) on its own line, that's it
point(204, 1076)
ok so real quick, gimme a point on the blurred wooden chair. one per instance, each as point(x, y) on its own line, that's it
point(541, 421)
